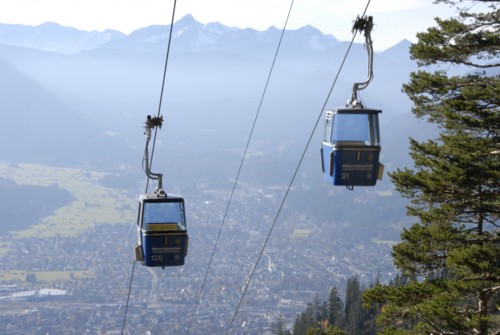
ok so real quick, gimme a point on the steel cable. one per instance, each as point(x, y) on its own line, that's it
point(152, 150)
point(294, 176)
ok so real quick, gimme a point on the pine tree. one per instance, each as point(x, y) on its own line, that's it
point(31, 278)
point(353, 307)
point(336, 309)
point(452, 252)
point(370, 313)
point(299, 326)
point(279, 327)
point(333, 318)
point(320, 309)
point(329, 331)
point(305, 320)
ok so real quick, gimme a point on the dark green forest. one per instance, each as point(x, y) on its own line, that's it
point(38, 202)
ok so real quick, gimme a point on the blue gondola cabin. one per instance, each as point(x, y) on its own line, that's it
point(163, 238)
point(351, 147)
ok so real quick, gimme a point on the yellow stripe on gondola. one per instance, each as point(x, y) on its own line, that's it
point(162, 226)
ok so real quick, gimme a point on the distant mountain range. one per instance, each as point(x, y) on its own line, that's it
point(304, 50)
point(53, 37)
point(75, 97)
point(188, 34)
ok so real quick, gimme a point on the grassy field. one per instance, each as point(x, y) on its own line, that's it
point(93, 204)
point(301, 233)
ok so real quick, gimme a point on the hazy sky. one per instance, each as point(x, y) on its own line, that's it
point(394, 20)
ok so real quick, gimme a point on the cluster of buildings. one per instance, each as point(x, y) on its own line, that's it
point(303, 260)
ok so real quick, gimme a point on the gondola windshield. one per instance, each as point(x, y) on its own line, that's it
point(360, 128)
point(158, 214)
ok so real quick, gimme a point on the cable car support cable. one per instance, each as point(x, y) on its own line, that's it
point(293, 177)
point(158, 114)
point(240, 167)
point(150, 160)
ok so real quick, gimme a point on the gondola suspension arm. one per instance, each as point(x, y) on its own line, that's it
point(150, 124)
point(364, 24)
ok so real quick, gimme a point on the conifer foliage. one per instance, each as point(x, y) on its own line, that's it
point(451, 255)
point(333, 317)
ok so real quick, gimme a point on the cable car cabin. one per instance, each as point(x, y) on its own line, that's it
point(163, 238)
point(351, 147)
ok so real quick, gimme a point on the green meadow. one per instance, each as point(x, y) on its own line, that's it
point(93, 203)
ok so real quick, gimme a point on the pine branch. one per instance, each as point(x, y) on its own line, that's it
point(433, 325)
point(484, 278)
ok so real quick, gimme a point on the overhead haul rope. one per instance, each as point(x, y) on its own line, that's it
point(152, 149)
point(295, 174)
point(158, 114)
point(240, 168)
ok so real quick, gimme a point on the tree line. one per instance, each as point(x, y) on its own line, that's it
point(333, 316)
